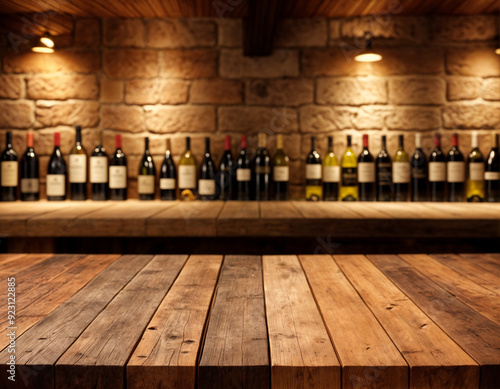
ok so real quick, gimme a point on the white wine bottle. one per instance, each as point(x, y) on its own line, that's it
point(187, 173)
point(349, 174)
point(281, 171)
point(331, 174)
point(475, 182)
point(401, 172)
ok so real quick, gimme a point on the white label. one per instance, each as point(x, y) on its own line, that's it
point(30, 185)
point(187, 176)
point(9, 173)
point(206, 187)
point(146, 184)
point(491, 176)
point(401, 172)
point(56, 185)
point(313, 172)
point(366, 172)
point(167, 183)
point(437, 171)
point(117, 177)
point(77, 168)
point(455, 171)
point(243, 174)
point(98, 170)
point(281, 173)
point(476, 171)
point(331, 173)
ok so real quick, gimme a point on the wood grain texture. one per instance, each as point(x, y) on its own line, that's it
point(302, 355)
point(475, 334)
point(14, 263)
point(489, 262)
point(41, 346)
point(367, 354)
point(432, 356)
point(97, 358)
point(167, 354)
point(238, 218)
point(235, 353)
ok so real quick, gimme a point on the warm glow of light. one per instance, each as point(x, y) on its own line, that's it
point(47, 41)
point(368, 57)
point(38, 49)
point(497, 51)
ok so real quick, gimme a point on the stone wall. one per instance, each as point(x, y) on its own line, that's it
point(172, 78)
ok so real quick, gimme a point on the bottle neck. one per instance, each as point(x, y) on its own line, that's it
point(78, 138)
point(188, 143)
point(454, 140)
point(167, 150)
point(8, 140)
point(146, 145)
point(384, 143)
point(207, 146)
point(313, 141)
point(29, 140)
point(118, 142)
point(474, 141)
point(227, 143)
point(418, 141)
point(57, 140)
point(279, 142)
point(261, 141)
point(437, 141)
point(330, 143)
point(401, 142)
point(349, 142)
point(365, 142)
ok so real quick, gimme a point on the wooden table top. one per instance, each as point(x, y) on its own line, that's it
point(208, 321)
point(225, 219)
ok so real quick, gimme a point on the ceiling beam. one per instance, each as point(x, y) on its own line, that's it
point(260, 25)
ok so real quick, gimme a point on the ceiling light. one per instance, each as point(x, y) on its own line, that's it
point(367, 54)
point(44, 44)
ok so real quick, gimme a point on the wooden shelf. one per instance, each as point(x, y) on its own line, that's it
point(249, 219)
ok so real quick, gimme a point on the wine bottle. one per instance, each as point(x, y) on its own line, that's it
point(227, 173)
point(206, 183)
point(492, 173)
point(314, 191)
point(56, 173)
point(349, 174)
point(455, 172)
point(418, 172)
point(78, 168)
point(401, 172)
point(331, 174)
point(244, 172)
point(99, 172)
point(30, 182)
point(262, 170)
point(384, 173)
point(9, 171)
point(475, 183)
point(118, 173)
point(187, 173)
point(147, 174)
point(167, 176)
point(437, 171)
point(366, 173)
point(281, 171)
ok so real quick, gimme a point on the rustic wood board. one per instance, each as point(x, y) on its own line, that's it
point(364, 209)
point(432, 356)
point(14, 263)
point(235, 353)
point(489, 262)
point(301, 353)
point(474, 333)
point(278, 218)
point(239, 218)
point(97, 358)
point(14, 216)
point(40, 347)
point(367, 354)
point(167, 354)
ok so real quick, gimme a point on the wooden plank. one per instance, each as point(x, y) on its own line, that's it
point(302, 355)
point(186, 218)
point(40, 347)
point(14, 216)
point(14, 263)
point(367, 354)
point(434, 358)
point(238, 218)
point(97, 358)
point(278, 218)
point(235, 353)
point(490, 262)
point(365, 210)
point(478, 336)
point(481, 299)
point(167, 353)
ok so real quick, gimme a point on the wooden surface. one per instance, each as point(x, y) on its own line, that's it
point(269, 219)
point(208, 321)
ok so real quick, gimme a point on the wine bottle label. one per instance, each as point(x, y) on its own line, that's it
point(455, 171)
point(56, 185)
point(437, 171)
point(117, 177)
point(476, 171)
point(206, 187)
point(30, 185)
point(418, 173)
point(262, 169)
point(146, 184)
point(491, 176)
point(313, 171)
point(281, 173)
point(9, 173)
point(349, 176)
point(77, 168)
point(243, 174)
point(366, 172)
point(401, 172)
point(331, 173)
point(98, 170)
point(384, 173)
point(167, 183)
point(187, 176)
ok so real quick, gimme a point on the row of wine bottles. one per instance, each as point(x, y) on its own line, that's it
point(365, 178)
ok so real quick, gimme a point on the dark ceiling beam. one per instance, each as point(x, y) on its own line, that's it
point(259, 26)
